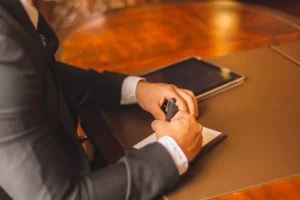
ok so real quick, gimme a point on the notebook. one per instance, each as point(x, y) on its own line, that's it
point(210, 139)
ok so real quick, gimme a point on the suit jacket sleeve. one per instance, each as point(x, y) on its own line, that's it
point(91, 88)
point(34, 167)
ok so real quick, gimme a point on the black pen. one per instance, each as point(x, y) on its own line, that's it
point(170, 109)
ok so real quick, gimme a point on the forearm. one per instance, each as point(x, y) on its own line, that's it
point(151, 172)
point(42, 172)
point(91, 88)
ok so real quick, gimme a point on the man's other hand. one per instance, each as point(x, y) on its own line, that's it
point(185, 130)
point(150, 96)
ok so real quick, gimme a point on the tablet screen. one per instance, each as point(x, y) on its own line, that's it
point(193, 74)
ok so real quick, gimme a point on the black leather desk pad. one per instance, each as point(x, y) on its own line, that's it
point(261, 118)
point(290, 50)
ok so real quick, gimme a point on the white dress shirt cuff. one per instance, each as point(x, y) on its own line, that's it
point(128, 93)
point(176, 152)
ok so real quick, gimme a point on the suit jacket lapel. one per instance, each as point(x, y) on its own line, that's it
point(51, 47)
point(49, 34)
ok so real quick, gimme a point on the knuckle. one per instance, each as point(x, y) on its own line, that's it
point(187, 91)
point(169, 88)
point(193, 120)
point(173, 86)
point(190, 92)
point(200, 128)
point(153, 124)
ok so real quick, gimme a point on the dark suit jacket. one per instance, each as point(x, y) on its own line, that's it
point(40, 154)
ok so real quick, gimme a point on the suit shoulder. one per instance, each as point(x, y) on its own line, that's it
point(10, 46)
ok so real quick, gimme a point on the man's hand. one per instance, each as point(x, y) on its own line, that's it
point(150, 96)
point(185, 130)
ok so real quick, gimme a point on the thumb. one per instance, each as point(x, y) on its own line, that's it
point(159, 126)
point(158, 113)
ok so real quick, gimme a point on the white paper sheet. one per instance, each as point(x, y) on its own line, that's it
point(208, 135)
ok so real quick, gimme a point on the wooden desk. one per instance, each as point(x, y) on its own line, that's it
point(145, 37)
point(142, 38)
point(289, 50)
point(259, 116)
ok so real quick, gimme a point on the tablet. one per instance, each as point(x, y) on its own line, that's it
point(199, 76)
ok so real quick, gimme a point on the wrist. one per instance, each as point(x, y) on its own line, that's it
point(176, 153)
point(129, 88)
point(139, 89)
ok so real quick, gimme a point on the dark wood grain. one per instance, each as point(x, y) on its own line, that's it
point(149, 36)
point(141, 38)
point(288, 189)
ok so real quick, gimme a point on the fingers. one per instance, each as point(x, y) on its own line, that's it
point(190, 100)
point(195, 101)
point(186, 100)
point(159, 126)
point(180, 102)
point(179, 115)
point(158, 113)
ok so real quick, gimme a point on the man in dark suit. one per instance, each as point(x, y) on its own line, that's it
point(41, 156)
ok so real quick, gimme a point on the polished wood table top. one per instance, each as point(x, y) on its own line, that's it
point(150, 36)
point(146, 37)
